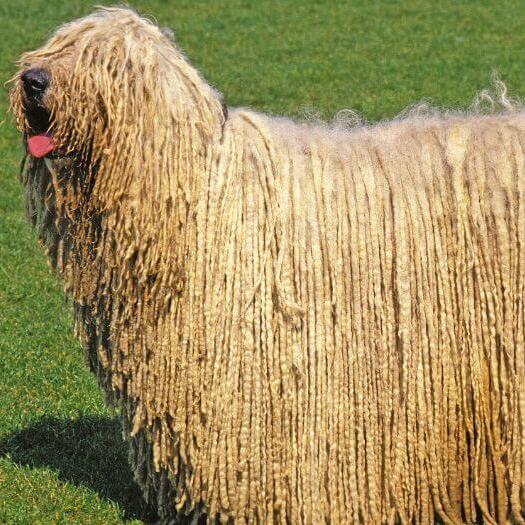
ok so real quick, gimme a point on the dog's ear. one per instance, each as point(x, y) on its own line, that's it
point(168, 33)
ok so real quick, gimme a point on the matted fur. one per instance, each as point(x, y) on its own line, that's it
point(300, 324)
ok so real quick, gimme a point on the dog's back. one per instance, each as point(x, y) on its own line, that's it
point(375, 279)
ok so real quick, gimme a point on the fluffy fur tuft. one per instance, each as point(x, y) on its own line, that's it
point(300, 323)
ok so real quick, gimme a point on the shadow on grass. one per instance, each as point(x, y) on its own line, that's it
point(87, 452)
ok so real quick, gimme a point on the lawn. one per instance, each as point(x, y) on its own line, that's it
point(61, 456)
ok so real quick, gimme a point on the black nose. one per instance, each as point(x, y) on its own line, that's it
point(36, 81)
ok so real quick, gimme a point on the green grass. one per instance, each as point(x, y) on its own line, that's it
point(61, 459)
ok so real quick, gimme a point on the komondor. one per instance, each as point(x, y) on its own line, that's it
point(300, 323)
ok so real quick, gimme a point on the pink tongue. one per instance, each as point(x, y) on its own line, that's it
point(41, 145)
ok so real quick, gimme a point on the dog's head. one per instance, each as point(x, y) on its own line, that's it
point(112, 84)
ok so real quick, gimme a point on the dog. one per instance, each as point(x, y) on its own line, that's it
point(299, 322)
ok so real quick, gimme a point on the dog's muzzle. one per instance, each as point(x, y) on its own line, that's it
point(35, 81)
